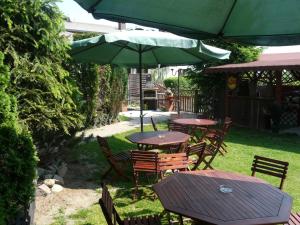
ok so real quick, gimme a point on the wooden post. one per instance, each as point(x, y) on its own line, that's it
point(226, 98)
point(278, 87)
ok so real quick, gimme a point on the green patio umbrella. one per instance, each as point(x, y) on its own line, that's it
point(258, 22)
point(144, 49)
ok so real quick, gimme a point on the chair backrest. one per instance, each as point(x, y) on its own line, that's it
point(174, 161)
point(215, 144)
point(294, 219)
point(271, 167)
point(103, 144)
point(144, 161)
point(108, 207)
point(196, 149)
point(177, 127)
point(153, 124)
point(216, 137)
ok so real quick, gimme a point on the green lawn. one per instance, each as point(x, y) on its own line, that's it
point(242, 143)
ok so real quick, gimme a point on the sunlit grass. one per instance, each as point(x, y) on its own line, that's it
point(242, 143)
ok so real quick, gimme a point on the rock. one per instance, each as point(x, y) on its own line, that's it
point(49, 182)
point(58, 179)
point(57, 188)
point(48, 176)
point(62, 170)
point(45, 188)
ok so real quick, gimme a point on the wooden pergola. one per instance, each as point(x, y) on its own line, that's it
point(281, 72)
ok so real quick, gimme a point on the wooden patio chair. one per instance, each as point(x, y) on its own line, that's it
point(183, 129)
point(211, 150)
point(294, 219)
point(196, 153)
point(153, 124)
point(271, 167)
point(172, 162)
point(112, 217)
point(114, 160)
point(177, 127)
point(210, 134)
point(145, 162)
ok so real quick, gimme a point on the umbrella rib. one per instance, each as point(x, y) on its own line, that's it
point(154, 55)
point(121, 49)
point(125, 46)
point(87, 48)
point(227, 18)
point(149, 49)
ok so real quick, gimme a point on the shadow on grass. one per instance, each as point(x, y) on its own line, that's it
point(264, 139)
point(87, 164)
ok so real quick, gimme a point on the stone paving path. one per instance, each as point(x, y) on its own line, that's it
point(124, 126)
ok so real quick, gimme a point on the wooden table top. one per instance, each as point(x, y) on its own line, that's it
point(197, 195)
point(158, 138)
point(196, 122)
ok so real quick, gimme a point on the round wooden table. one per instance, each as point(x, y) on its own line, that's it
point(195, 122)
point(198, 195)
point(159, 138)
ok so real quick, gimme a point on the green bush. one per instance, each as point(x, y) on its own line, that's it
point(18, 163)
point(112, 92)
point(30, 37)
point(17, 155)
point(172, 83)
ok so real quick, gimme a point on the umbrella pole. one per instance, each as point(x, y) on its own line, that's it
point(178, 95)
point(141, 91)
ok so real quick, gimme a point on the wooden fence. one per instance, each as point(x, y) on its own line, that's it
point(186, 101)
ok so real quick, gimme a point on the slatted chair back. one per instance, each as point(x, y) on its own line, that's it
point(153, 124)
point(196, 150)
point(104, 146)
point(108, 207)
point(177, 127)
point(212, 150)
point(175, 161)
point(143, 161)
point(294, 219)
point(271, 167)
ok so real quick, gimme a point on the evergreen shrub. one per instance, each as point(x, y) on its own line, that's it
point(17, 155)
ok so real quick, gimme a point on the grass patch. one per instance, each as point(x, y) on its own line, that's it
point(242, 144)
point(124, 118)
point(60, 218)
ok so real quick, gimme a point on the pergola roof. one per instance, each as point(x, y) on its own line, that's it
point(287, 61)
